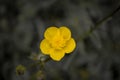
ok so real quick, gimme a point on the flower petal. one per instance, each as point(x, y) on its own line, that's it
point(65, 32)
point(70, 46)
point(57, 55)
point(45, 46)
point(51, 32)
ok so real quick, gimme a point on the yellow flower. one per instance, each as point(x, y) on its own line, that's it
point(57, 42)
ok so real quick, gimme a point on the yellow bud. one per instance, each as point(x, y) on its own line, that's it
point(20, 70)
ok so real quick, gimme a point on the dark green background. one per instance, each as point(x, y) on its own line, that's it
point(23, 22)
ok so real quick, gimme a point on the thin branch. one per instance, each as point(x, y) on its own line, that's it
point(97, 25)
point(68, 63)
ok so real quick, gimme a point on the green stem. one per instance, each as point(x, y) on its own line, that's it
point(98, 24)
point(40, 62)
point(105, 19)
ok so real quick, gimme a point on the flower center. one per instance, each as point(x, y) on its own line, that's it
point(58, 43)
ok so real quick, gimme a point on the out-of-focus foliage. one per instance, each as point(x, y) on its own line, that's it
point(23, 22)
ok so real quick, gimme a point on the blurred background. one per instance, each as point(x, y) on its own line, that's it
point(22, 25)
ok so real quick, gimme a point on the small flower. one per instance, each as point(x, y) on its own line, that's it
point(20, 70)
point(57, 42)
